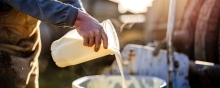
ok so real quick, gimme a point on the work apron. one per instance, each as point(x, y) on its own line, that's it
point(19, 50)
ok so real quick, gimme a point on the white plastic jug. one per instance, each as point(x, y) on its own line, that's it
point(69, 49)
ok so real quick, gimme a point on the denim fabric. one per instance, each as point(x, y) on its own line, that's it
point(50, 11)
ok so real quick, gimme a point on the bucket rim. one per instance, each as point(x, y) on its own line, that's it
point(75, 83)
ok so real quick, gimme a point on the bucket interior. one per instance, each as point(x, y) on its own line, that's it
point(115, 82)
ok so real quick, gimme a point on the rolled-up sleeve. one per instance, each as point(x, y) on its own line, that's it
point(75, 3)
point(49, 11)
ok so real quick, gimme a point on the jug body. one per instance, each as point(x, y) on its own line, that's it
point(69, 49)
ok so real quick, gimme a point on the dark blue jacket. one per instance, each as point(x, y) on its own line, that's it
point(54, 12)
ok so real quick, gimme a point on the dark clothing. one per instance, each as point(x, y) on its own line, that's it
point(4, 6)
point(20, 37)
point(50, 11)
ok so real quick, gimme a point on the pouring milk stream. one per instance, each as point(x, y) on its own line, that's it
point(69, 50)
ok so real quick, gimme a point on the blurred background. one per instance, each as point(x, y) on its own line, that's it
point(136, 22)
point(141, 22)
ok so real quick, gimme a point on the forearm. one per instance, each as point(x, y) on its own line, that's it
point(53, 12)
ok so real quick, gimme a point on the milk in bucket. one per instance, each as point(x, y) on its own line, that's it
point(69, 49)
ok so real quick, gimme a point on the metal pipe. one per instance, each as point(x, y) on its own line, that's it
point(169, 37)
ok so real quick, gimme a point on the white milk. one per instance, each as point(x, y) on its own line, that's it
point(69, 50)
point(118, 59)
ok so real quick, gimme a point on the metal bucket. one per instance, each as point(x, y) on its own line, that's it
point(114, 81)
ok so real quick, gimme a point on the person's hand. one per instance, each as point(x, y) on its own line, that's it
point(91, 31)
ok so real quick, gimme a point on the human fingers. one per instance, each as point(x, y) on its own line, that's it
point(91, 41)
point(97, 43)
point(86, 42)
point(105, 39)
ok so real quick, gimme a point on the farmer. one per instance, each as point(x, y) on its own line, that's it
point(20, 37)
